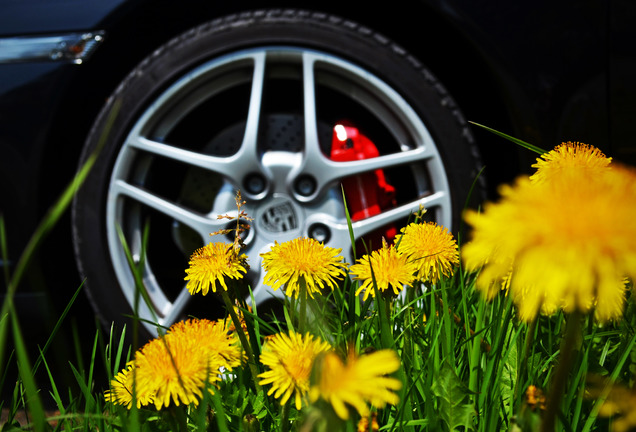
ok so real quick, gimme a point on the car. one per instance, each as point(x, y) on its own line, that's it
point(184, 104)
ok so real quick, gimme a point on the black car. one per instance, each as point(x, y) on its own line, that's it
point(188, 102)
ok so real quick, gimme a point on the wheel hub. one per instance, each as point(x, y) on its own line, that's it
point(279, 216)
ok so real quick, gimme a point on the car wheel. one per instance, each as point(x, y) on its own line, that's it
point(286, 106)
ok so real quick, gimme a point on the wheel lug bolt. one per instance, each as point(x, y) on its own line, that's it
point(320, 232)
point(305, 185)
point(254, 183)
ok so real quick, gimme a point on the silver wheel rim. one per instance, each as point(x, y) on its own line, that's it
point(268, 174)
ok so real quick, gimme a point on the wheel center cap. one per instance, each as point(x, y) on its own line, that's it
point(280, 216)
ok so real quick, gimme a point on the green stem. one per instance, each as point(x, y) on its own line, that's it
point(302, 312)
point(177, 418)
point(284, 417)
point(475, 352)
point(387, 321)
point(251, 361)
point(523, 368)
point(559, 380)
point(408, 321)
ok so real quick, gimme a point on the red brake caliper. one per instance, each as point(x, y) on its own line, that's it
point(367, 194)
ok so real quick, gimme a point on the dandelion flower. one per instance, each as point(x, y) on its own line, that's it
point(432, 247)
point(569, 242)
point(568, 157)
point(290, 359)
point(121, 392)
point(175, 368)
point(212, 337)
point(302, 261)
point(211, 264)
point(358, 382)
point(390, 268)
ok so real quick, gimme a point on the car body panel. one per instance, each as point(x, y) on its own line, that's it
point(35, 17)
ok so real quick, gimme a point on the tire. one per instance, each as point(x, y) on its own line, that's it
point(223, 107)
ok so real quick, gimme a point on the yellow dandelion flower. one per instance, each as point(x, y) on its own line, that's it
point(176, 367)
point(358, 382)
point(569, 242)
point(432, 247)
point(568, 157)
point(303, 259)
point(390, 268)
point(290, 359)
point(121, 389)
point(213, 337)
point(211, 264)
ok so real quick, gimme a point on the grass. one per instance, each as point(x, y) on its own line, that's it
point(466, 363)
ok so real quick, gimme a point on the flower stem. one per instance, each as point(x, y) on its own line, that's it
point(302, 312)
point(568, 347)
point(251, 361)
point(284, 417)
point(531, 328)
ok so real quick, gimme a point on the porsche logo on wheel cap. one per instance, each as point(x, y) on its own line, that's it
point(280, 217)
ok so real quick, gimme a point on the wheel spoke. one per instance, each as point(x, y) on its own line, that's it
point(249, 146)
point(312, 145)
point(370, 224)
point(198, 223)
point(221, 165)
point(174, 310)
point(313, 161)
point(338, 170)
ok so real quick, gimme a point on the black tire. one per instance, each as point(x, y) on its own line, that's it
point(356, 69)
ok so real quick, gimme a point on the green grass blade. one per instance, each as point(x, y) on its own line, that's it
point(351, 234)
point(65, 424)
point(517, 141)
point(91, 367)
point(462, 223)
point(137, 271)
point(119, 353)
point(85, 388)
point(219, 414)
point(34, 403)
point(56, 328)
